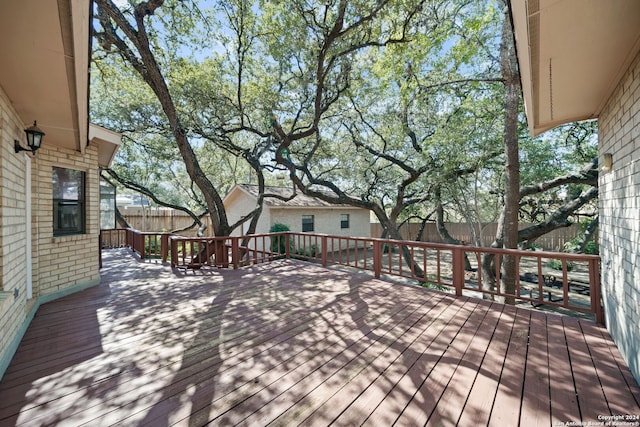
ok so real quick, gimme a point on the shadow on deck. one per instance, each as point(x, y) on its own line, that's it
point(292, 342)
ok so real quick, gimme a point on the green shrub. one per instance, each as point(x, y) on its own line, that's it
point(310, 252)
point(556, 264)
point(435, 286)
point(591, 248)
point(278, 242)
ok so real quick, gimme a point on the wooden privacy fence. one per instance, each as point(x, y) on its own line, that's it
point(153, 219)
point(569, 281)
point(552, 241)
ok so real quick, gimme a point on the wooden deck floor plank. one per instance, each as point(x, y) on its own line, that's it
point(122, 336)
point(242, 337)
point(506, 406)
point(387, 412)
point(609, 361)
point(477, 408)
point(536, 401)
point(608, 371)
point(150, 324)
point(343, 397)
point(312, 386)
point(564, 405)
point(254, 344)
point(362, 407)
point(425, 401)
point(170, 316)
point(591, 398)
point(457, 390)
point(4, 382)
point(271, 355)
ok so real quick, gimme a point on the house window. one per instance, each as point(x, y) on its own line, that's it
point(68, 201)
point(344, 220)
point(307, 223)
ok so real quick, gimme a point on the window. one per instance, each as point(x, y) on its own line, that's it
point(107, 204)
point(344, 220)
point(68, 201)
point(307, 223)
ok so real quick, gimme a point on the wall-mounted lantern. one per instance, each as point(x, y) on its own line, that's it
point(34, 139)
point(607, 162)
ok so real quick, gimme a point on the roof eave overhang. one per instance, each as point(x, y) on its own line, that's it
point(572, 54)
point(107, 143)
point(44, 45)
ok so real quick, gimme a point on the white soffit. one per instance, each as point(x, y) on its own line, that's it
point(44, 49)
point(572, 54)
point(107, 141)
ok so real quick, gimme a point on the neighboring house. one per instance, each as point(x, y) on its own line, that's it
point(49, 200)
point(131, 200)
point(301, 214)
point(580, 59)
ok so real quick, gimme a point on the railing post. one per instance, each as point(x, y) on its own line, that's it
point(235, 252)
point(174, 252)
point(141, 242)
point(594, 280)
point(164, 246)
point(377, 258)
point(324, 250)
point(287, 245)
point(458, 268)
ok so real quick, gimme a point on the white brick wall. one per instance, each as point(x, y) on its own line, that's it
point(619, 200)
point(65, 261)
point(60, 264)
point(12, 225)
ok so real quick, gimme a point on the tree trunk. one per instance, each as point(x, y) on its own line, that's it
point(509, 68)
point(443, 232)
point(144, 62)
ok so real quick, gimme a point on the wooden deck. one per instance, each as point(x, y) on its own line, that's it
point(291, 343)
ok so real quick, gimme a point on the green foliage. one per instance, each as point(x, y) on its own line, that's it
point(367, 114)
point(590, 248)
point(307, 252)
point(278, 243)
point(435, 286)
point(556, 264)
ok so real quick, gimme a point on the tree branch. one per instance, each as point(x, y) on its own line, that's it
point(144, 190)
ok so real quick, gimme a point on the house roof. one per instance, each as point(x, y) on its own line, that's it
point(44, 46)
point(572, 54)
point(299, 201)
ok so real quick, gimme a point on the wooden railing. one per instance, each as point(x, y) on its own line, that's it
point(114, 238)
point(562, 280)
point(556, 279)
point(145, 244)
point(150, 245)
point(197, 252)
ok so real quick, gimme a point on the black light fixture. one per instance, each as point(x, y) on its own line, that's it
point(34, 139)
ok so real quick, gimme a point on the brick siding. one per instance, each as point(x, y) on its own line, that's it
point(59, 264)
point(619, 204)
